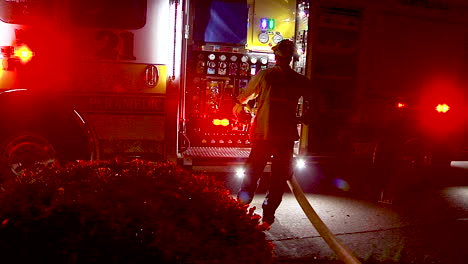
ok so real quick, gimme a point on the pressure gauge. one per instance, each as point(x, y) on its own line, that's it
point(244, 58)
point(264, 60)
point(211, 56)
point(253, 60)
point(222, 57)
point(212, 64)
point(233, 58)
point(277, 38)
point(263, 37)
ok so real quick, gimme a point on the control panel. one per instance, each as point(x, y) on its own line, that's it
point(214, 80)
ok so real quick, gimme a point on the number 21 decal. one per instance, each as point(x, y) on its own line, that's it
point(111, 49)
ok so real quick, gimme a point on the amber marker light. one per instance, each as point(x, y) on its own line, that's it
point(221, 122)
point(24, 53)
point(442, 108)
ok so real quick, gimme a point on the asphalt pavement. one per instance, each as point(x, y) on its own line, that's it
point(427, 225)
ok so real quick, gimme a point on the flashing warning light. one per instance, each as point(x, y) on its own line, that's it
point(221, 122)
point(401, 105)
point(267, 23)
point(442, 108)
point(24, 53)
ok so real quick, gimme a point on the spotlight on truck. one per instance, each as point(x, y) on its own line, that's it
point(300, 163)
point(240, 173)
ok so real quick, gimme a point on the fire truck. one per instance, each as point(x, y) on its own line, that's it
point(157, 79)
point(392, 80)
point(88, 80)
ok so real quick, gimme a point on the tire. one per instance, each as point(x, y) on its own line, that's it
point(39, 130)
point(30, 149)
point(25, 151)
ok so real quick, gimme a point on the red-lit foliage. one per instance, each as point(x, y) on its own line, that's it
point(117, 212)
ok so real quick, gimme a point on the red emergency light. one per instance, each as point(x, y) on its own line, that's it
point(221, 122)
point(24, 53)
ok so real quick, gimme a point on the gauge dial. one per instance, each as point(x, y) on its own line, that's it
point(233, 58)
point(253, 60)
point(277, 38)
point(222, 57)
point(211, 64)
point(264, 60)
point(263, 37)
point(244, 58)
point(211, 56)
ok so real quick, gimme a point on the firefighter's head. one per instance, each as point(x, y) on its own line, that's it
point(284, 51)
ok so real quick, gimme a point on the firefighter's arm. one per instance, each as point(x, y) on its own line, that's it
point(252, 90)
point(250, 93)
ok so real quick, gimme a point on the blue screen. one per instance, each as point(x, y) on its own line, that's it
point(221, 22)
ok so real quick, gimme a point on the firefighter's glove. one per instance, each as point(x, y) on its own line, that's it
point(237, 110)
point(241, 114)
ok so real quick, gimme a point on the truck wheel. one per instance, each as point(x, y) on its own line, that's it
point(25, 151)
point(40, 130)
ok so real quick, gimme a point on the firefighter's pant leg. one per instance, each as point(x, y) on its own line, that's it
point(281, 171)
point(258, 158)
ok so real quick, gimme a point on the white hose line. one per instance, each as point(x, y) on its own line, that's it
point(343, 253)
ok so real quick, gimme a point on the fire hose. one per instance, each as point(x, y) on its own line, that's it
point(343, 253)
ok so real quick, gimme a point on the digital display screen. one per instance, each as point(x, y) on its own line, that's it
point(221, 22)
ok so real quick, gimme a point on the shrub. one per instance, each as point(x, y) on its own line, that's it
point(117, 212)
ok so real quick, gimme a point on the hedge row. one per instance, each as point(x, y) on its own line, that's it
point(126, 212)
